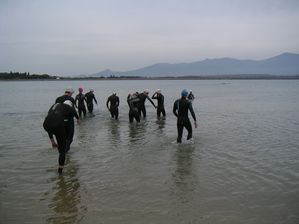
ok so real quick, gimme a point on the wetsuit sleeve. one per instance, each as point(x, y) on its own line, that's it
point(175, 108)
point(151, 101)
point(107, 102)
point(75, 113)
point(50, 135)
point(192, 111)
point(76, 99)
point(129, 101)
point(154, 96)
point(95, 100)
point(117, 101)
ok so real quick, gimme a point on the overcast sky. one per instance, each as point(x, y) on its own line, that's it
point(71, 37)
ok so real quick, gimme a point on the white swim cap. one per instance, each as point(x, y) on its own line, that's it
point(91, 89)
point(158, 90)
point(68, 102)
point(69, 90)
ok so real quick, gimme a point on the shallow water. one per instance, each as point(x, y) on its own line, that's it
point(242, 166)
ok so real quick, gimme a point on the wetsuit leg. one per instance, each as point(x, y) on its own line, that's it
point(131, 116)
point(84, 111)
point(61, 141)
point(158, 113)
point(163, 112)
point(116, 113)
point(188, 126)
point(136, 116)
point(80, 111)
point(143, 111)
point(70, 128)
point(90, 108)
point(112, 112)
point(180, 126)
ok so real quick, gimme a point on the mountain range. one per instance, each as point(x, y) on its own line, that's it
point(283, 65)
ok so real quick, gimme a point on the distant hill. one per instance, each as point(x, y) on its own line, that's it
point(284, 64)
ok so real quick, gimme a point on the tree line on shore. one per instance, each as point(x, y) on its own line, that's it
point(24, 76)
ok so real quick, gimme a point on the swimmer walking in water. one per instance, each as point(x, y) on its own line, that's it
point(160, 98)
point(114, 103)
point(80, 98)
point(180, 110)
point(57, 123)
point(89, 99)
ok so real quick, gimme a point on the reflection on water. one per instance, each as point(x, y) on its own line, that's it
point(66, 203)
point(184, 178)
point(161, 123)
point(113, 126)
point(137, 132)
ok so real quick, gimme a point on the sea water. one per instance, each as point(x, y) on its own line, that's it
point(241, 167)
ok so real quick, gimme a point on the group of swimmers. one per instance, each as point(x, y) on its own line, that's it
point(60, 119)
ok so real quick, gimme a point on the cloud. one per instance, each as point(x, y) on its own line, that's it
point(72, 37)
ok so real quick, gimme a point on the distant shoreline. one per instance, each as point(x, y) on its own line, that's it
point(296, 77)
point(45, 77)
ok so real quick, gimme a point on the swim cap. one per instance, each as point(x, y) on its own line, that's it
point(184, 92)
point(158, 90)
point(91, 89)
point(68, 102)
point(80, 90)
point(145, 91)
point(69, 90)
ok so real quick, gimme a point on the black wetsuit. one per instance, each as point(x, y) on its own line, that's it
point(63, 98)
point(133, 102)
point(190, 96)
point(89, 100)
point(57, 123)
point(114, 103)
point(160, 107)
point(81, 106)
point(141, 107)
point(71, 124)
point(180, 110)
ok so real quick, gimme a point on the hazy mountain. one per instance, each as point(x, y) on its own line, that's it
point(283, 64)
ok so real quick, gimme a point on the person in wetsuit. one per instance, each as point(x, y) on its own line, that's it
point(68, 96)
point(143, 96)
point(89, 99)
point(114, 103)
point(180, 110)
point(133, 101)
point(80, 98)
point(190, 96)
point(56, 123)
point(160, 98)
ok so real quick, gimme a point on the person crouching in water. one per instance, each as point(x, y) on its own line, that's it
point(114, 103)
point(160, 98)
point(133, 102)
point(89, 99)
point(57, 123)
point(80, 98)
point(180, 110)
